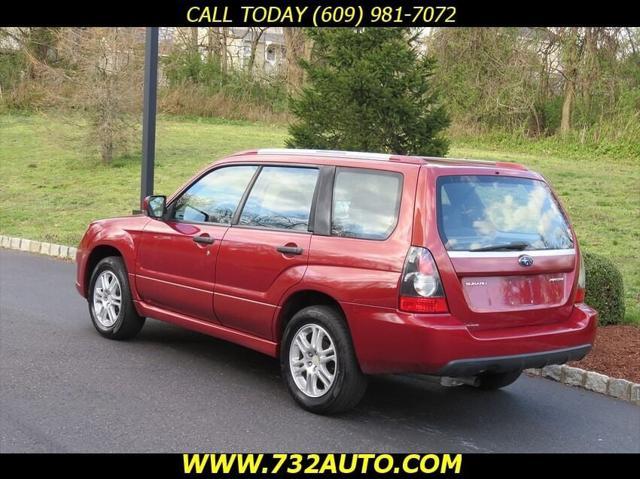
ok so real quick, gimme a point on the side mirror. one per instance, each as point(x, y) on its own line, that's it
point(155, 206)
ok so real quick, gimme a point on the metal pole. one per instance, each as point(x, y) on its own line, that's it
point(149, 112)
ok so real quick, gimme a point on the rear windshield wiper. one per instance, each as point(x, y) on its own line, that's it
point(513, 246)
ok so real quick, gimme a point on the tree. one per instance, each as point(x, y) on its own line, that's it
point(96, 71)
point(370, 90)
point(105, 73)
point(539, 81)
point(23, 53)
point(297, 48)
point(489, 75)
point(254, 39)
point(571, 53)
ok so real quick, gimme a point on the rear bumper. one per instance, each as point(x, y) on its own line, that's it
point(390, 341)
point(499, 364)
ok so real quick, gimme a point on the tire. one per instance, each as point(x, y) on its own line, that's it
point(347, 383)
point(121, 322)
point(493, 381)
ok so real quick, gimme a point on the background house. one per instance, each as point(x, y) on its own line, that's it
point(260, 49)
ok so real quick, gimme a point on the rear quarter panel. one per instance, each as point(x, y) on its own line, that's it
point(364, 272)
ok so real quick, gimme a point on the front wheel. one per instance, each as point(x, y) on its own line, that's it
point(492, 381)
point(110, 303)
point(318, 363)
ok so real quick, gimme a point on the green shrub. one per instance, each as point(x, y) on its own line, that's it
point(605, 290)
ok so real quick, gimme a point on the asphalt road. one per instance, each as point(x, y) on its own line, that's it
point(63, 388)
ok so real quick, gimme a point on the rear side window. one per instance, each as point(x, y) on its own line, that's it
point(494, 213)
point(214, 197)
point(281, 198)
point(365, 203)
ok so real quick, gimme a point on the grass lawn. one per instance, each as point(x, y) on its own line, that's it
point(52, 187)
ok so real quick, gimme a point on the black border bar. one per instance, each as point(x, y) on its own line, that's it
point(174, 13)
point(160, 466)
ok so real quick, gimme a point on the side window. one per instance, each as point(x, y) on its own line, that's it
point(214, 197)
point(281, 198)
point(365, 203)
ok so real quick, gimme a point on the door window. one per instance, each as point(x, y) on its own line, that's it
point(214, 197)
point(281, 198)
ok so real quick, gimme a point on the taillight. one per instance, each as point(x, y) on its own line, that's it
point(582, 282)
point(420, 286)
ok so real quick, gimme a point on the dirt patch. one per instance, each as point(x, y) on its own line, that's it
point(616, 353)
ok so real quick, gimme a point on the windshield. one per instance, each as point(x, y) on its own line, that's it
point(487, 213)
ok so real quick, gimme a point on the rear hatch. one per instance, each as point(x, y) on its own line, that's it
point(511, 248)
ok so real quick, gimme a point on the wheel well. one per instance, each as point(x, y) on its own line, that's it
point(97, 255)
point(300, 300)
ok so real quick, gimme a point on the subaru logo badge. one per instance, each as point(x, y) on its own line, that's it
point(525, 260)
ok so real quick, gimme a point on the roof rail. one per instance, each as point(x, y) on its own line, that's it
point(330, 153)
point(362, 155)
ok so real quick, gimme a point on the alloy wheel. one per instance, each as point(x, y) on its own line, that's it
point(107, 298)
point(313, 360)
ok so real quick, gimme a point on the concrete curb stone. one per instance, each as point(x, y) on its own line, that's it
point(591, 380)
point(38, 247)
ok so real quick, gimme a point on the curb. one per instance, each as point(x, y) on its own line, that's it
point(38, 247)
point(600, 383)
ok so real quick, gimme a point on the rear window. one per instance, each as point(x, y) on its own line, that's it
point(365, 203)
point(487, 212)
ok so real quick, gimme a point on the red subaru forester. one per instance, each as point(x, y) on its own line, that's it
point(348, 264)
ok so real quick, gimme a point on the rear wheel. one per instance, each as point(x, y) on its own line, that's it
point(110, 304)
point(492, 381)
point(318, 363)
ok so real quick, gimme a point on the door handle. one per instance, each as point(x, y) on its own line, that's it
point(203, 239)
point(289, 250)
